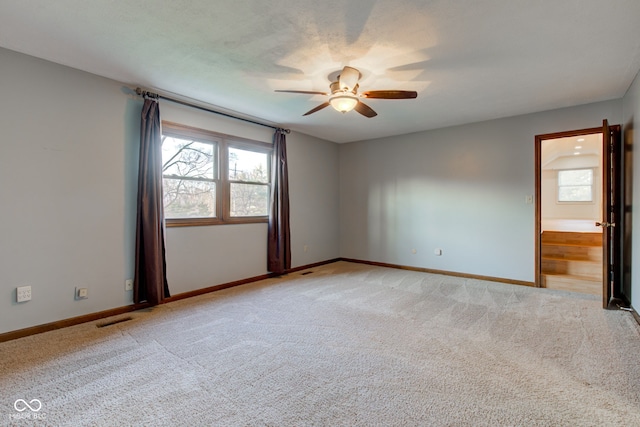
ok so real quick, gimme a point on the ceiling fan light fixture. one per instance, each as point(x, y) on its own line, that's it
point(344, 95)
point(343, 103)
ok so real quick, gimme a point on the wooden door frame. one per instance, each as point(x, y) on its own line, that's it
point(613, 297)
point(538, 190)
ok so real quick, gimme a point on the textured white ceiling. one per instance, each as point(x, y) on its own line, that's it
point(468, 60)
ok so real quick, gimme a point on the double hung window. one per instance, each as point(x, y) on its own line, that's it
point(210, 178)
point(575, 185)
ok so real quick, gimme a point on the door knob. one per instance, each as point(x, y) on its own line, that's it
point(605, 224)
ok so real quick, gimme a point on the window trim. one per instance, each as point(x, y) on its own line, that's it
point(222, 142)
point(576, 202)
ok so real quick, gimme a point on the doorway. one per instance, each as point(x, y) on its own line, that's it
point(571, 205)
point(577, 202)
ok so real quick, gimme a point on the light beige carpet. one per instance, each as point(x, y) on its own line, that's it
point(347, 345)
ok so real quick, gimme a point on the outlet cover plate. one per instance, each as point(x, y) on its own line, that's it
point(128, 285)
point(82, 293)
point(23, 294)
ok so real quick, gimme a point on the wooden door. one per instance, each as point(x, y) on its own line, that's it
point(611, 222)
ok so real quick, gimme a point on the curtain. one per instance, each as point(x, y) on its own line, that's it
point(279, 239)
point(150, 269)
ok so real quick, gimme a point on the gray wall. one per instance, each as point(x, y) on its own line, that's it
point(68, 175)
point(460, 189)
point(198, 257)
point(631, 112)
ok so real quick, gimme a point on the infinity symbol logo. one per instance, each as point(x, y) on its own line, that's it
point(21, 405)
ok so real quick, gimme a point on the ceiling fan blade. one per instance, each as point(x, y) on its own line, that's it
point(318, 108)
point(390, 94)
point(348, 78)
point(365, 110)
point(309, 92)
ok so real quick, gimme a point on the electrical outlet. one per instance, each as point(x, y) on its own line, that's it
point(128, 285)
point(23, 294)
point(82, 293)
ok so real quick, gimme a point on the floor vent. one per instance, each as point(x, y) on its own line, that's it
point(113, 322)
point(306, 272)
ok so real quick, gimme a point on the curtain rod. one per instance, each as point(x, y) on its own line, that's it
point(141, 92)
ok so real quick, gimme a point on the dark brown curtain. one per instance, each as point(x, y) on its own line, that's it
point(279, 239)
point(150, 270)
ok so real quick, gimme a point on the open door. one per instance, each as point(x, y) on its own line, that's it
point(611, 222)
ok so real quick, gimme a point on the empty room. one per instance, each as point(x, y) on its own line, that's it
point(343, 213)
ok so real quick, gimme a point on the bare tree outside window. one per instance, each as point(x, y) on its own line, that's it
point(188, 169)
point(196, 192)
point(249, 182)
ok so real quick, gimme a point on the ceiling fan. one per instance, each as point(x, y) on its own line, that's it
point(344, 95)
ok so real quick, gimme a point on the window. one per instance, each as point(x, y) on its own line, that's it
point(189, 172)
point(210, 178)
point(575, 185)
point(248, 182)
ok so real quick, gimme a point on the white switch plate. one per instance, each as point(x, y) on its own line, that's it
point(23, 294)
point(128, 285)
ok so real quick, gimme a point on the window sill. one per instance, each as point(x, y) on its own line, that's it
point(558, 202)
point(200, 222)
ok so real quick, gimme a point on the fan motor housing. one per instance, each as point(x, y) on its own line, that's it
point(335, 88)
